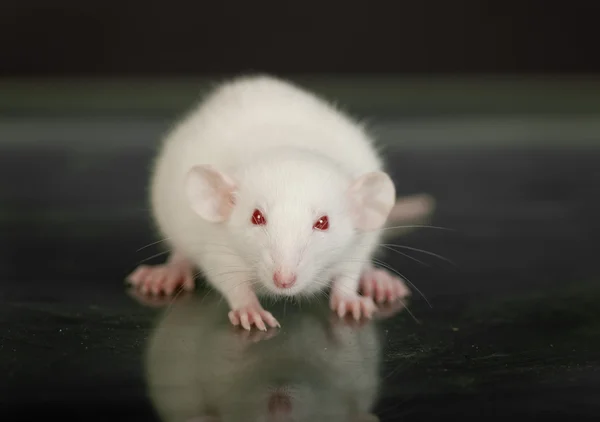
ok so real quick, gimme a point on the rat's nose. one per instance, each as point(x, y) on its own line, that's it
point(284, 280)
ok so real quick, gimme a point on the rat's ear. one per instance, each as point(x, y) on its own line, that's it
point(372, 197)
point(210, 193)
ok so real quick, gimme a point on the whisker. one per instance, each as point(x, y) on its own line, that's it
point(210, 289)
point(405, 306)
point(416, 226)
point(406, 255)
point(403, 277)
point(422, 251)
point(233, 272)
point(153, 243)
point(388, 267)
point(250, 282)
point(172, 301)
point(153, 256)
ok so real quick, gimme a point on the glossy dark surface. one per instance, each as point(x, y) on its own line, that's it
point(513, 330)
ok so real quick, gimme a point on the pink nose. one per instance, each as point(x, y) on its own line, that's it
point(284, 280)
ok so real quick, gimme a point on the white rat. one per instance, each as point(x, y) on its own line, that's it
point(267, 188)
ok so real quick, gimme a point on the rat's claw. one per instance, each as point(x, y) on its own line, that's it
point(356, 305)
point(250, 315)
point(158, 280)
point(341, 309)
point(356, 310)
point(233, 318)
point(382, 286)
point(271, 319)
point(138, 275)
point(258, 321)
point(401, 288)
point(245, 320)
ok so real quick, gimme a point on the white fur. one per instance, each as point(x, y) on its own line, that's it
point(291, 155)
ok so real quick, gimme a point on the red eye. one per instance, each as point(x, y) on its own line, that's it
point(322, 223)
point(258, 219)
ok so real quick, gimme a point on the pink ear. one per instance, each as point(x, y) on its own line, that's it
point(210, 193)
point(372, 197)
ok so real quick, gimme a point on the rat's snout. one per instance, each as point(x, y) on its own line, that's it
point(284, 279)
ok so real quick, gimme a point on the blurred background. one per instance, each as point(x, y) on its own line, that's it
point(67, 38)
point(491, 106)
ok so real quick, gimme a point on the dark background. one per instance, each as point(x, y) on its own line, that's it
point(183, 37)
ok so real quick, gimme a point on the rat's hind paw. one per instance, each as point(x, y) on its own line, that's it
point(164, 278)
point(382, 286)
point(252, 314)
point(352, 304)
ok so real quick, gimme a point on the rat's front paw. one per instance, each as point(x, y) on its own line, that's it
point(156, 301)
point(382, 286)
point(252, 314)
point(352, 304)
point(164, 278)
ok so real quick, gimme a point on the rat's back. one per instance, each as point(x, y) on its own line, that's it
point(249, 115)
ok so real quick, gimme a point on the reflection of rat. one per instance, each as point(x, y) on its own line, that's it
point(268, 189)
point(315, 369)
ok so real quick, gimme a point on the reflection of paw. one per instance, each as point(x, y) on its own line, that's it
point(352, 304)
point(254, 336)
point(382, 286)
point(158, 279)
point(252, 314)
point(348, 321)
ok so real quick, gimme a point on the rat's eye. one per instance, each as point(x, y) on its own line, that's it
point(322, 223)
point(258, 218)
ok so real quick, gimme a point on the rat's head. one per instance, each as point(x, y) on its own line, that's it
point(291, 218)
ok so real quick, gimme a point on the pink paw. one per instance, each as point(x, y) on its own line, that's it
point(164, 278)
point(382, 286)
point(352, 304)
point(252, 314)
